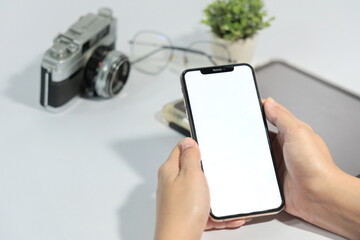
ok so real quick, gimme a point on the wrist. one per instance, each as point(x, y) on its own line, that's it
point(335, 206)
point(321, 195)
point(178, 231)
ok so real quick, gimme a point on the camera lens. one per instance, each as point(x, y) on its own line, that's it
point(106, 72)
point(118, 76)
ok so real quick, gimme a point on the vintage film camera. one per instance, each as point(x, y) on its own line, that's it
point(83, 62)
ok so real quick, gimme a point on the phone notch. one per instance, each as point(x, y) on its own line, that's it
point(216, 69)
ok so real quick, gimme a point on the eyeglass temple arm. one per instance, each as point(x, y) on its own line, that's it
point(201, 53)
point(162, 47)
point(197, 52)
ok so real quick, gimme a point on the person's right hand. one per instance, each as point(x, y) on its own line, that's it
point(315, 189)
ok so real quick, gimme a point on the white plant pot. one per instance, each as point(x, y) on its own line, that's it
point(242, 51)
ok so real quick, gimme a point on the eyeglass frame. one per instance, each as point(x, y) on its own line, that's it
point(171, 47)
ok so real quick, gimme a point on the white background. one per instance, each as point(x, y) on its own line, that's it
point(90, 172)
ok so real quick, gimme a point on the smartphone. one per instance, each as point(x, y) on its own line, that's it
point(227, 121)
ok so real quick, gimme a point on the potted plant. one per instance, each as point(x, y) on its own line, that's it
point(235, 23)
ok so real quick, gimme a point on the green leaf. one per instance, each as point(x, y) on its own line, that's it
point(236, 19)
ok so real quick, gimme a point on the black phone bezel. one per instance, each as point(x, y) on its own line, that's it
point(222, 69)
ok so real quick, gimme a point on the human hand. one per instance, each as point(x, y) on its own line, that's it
point(315, 189)
point(230, 224)
point(183, 199)
point(303, 160)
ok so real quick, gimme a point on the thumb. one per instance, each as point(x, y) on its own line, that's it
point(279, 116)
point(190, 155)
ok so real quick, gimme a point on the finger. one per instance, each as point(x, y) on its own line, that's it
point(279, 116)
point(235, 223)
point(272, 136)
point(171, 166)
point(214, 225)
point(190, 155)
point(278, 156)
point(174, 157)
point(224, 224)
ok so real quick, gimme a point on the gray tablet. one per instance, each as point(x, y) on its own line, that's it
point(332, 112)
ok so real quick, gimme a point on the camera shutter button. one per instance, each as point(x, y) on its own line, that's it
point(59, 50)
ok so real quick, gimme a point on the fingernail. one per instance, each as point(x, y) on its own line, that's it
point(271, 100)
point(187, 143)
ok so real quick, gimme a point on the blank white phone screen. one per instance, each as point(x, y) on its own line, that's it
point(233, 142)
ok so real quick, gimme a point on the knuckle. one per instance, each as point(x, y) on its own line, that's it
point(302, 129)
point(161, 171)
point(307, 126)
point(164, 171)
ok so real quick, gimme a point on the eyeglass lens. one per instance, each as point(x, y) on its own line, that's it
point(152, 51)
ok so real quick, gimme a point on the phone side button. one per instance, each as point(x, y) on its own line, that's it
point(184, 103)
point(187, 114)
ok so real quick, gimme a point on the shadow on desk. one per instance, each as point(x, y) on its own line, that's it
point(145, 156)
point(24, 86)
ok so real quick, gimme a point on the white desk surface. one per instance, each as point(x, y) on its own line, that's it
point(90, 171)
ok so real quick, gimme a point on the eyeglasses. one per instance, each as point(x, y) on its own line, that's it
point(152, 51)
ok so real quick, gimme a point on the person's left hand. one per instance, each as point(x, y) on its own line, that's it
point(183, 199)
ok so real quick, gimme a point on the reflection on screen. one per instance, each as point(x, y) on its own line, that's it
point(233, 142)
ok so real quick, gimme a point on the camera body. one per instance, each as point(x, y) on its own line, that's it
point(82, 61)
